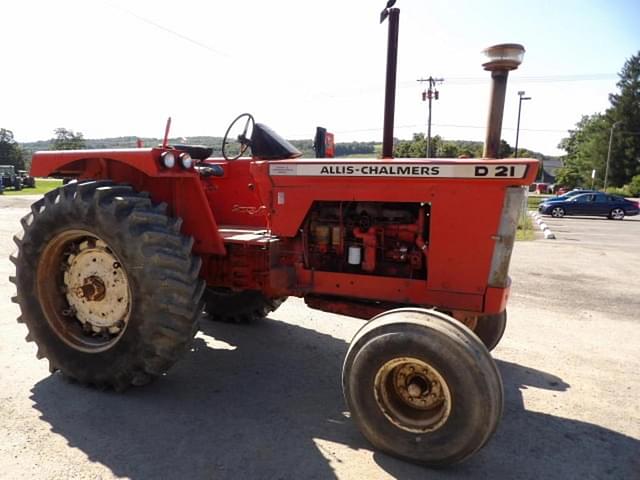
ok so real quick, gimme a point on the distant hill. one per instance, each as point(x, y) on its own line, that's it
point(343, 149)
point(305, 146)
point(128, 142)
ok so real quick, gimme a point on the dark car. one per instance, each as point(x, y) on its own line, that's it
point(568, 195)
point(598, 204)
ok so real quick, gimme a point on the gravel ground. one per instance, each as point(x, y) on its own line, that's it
point(264, 400)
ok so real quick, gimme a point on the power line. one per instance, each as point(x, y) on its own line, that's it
point(526, 79)
point(449, 125)
point(466, 81)
point(167, 29)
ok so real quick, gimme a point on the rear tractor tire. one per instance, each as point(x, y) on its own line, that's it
point(421, 386)
point(247, 306)
point(107, 285)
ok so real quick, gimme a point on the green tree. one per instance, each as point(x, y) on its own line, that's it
point(569, 176)
point(10, 151)
point(586, 148)
point(625, 109)
point(354, 148)
point(634, 186)
point(505, 150)
point(67, 140)
point(588, 144)
point(449, 150)
point(417, 147)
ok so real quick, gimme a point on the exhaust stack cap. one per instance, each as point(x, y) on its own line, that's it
point(506, 56)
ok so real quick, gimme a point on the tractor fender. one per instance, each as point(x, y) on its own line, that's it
point(181, 189)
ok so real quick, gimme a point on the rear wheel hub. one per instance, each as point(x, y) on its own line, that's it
point(84, 291)
point(96, 287)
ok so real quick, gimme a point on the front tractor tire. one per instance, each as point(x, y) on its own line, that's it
point(421, 386)
point(107, 285)
point(490, 329)
point(247, 306)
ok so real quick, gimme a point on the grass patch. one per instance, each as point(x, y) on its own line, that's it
point(43, 185)
point(534, 200)
point(525, 228)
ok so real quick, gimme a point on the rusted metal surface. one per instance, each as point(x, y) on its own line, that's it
point(496, 109)
point(97, 287)
point(346, 306)
point(390, 88)
point(89, 309)
point(505, 238)
point(468, 319)
point(93, 289)
point(413, 395)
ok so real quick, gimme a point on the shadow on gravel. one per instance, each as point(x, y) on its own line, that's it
point(531, 445)
point(255, 407)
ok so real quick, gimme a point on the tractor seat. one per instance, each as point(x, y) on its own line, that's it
point(197, 152)
point(268, 145)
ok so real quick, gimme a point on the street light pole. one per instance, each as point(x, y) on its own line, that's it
point(606, 168)
point(520, 94)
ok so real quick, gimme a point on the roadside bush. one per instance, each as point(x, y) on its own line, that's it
point(622, 191)
point(634, 186)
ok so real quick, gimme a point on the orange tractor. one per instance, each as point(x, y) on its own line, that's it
point(113, 270)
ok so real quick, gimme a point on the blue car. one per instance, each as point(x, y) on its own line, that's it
point(568, 195)
point(593, 204)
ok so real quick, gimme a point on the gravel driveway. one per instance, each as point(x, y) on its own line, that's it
point(264, 400)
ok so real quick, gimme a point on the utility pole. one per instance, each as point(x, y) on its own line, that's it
point(606, 169)
point(428, 95)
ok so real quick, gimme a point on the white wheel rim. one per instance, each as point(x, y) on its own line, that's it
point(87, 303)
point(97, 288)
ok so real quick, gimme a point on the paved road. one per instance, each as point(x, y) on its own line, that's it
point(597, 231)
point(593, 265)
point(264, 401)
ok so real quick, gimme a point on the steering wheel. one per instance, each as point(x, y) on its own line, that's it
point(242, 139)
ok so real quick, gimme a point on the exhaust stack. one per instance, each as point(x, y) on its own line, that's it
point(390, 87)
point(501, 59)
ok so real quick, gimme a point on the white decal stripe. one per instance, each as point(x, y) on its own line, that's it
point(409, 170)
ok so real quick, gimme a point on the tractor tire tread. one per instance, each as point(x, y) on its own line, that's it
point(166, 291)
point(246, 306)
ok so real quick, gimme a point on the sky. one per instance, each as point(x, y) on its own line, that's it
point(116, 68)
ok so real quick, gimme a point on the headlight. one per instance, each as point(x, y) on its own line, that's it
point(185, 160)
point(168, 160)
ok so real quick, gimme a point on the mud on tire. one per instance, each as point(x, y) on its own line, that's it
point(224, 305)
point(164, 290)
